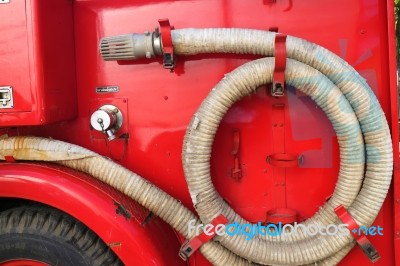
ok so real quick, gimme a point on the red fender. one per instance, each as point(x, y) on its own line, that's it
point(131, 231)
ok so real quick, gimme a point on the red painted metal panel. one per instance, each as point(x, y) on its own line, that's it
point(160, 103)
point(136, 240)
point(38, 61)
point(14, 51)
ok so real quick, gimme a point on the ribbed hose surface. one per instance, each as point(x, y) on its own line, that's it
point(160, 203)
point(339, 90)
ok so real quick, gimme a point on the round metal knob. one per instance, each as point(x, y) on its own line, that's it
point(102, 120)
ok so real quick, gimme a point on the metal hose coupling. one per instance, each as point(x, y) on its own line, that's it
point(131, 46)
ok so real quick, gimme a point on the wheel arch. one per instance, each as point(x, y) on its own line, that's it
point(128, 229)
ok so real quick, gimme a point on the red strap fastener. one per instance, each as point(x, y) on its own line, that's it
point(190, 246)
point(281, 215)
point(278, 82)
point(357, 234)
point(166, 40)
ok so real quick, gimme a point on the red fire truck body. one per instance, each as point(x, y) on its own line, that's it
point(53, 80)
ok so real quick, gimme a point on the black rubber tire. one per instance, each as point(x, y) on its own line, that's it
point(47, 235)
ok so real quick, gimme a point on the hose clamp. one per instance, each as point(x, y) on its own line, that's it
point(166, 40)
point(190, 246)
point(357, 234)
point(278, 81)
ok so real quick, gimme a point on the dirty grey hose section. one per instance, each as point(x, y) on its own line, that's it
point(352, 91)
point(160, 203)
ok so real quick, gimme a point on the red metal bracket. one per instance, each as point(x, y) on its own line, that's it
point(285, 160)
point(357, 234)
point(166, 40)
point(281, 215)
point(236, 172)
point(278, 82)
point(9, 159)
point(190, 246)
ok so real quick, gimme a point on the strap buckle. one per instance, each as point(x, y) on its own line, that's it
point(166, 40)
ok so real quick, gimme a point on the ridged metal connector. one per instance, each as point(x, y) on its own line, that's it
point(130, 46)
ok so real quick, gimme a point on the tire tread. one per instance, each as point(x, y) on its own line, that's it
point(46, 221)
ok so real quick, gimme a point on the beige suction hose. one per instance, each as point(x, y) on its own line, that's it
point(323, 71)
point(160, 203)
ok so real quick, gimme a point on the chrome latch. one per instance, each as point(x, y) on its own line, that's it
point(6, 97)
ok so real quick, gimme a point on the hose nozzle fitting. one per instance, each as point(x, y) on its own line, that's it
point(130, 46)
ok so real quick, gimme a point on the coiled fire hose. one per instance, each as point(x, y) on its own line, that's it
point(359, 122)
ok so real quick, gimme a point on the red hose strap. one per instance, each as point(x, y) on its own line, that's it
point(357, 234)
point(190, 246)
point(278, 82)
point(166, 39)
